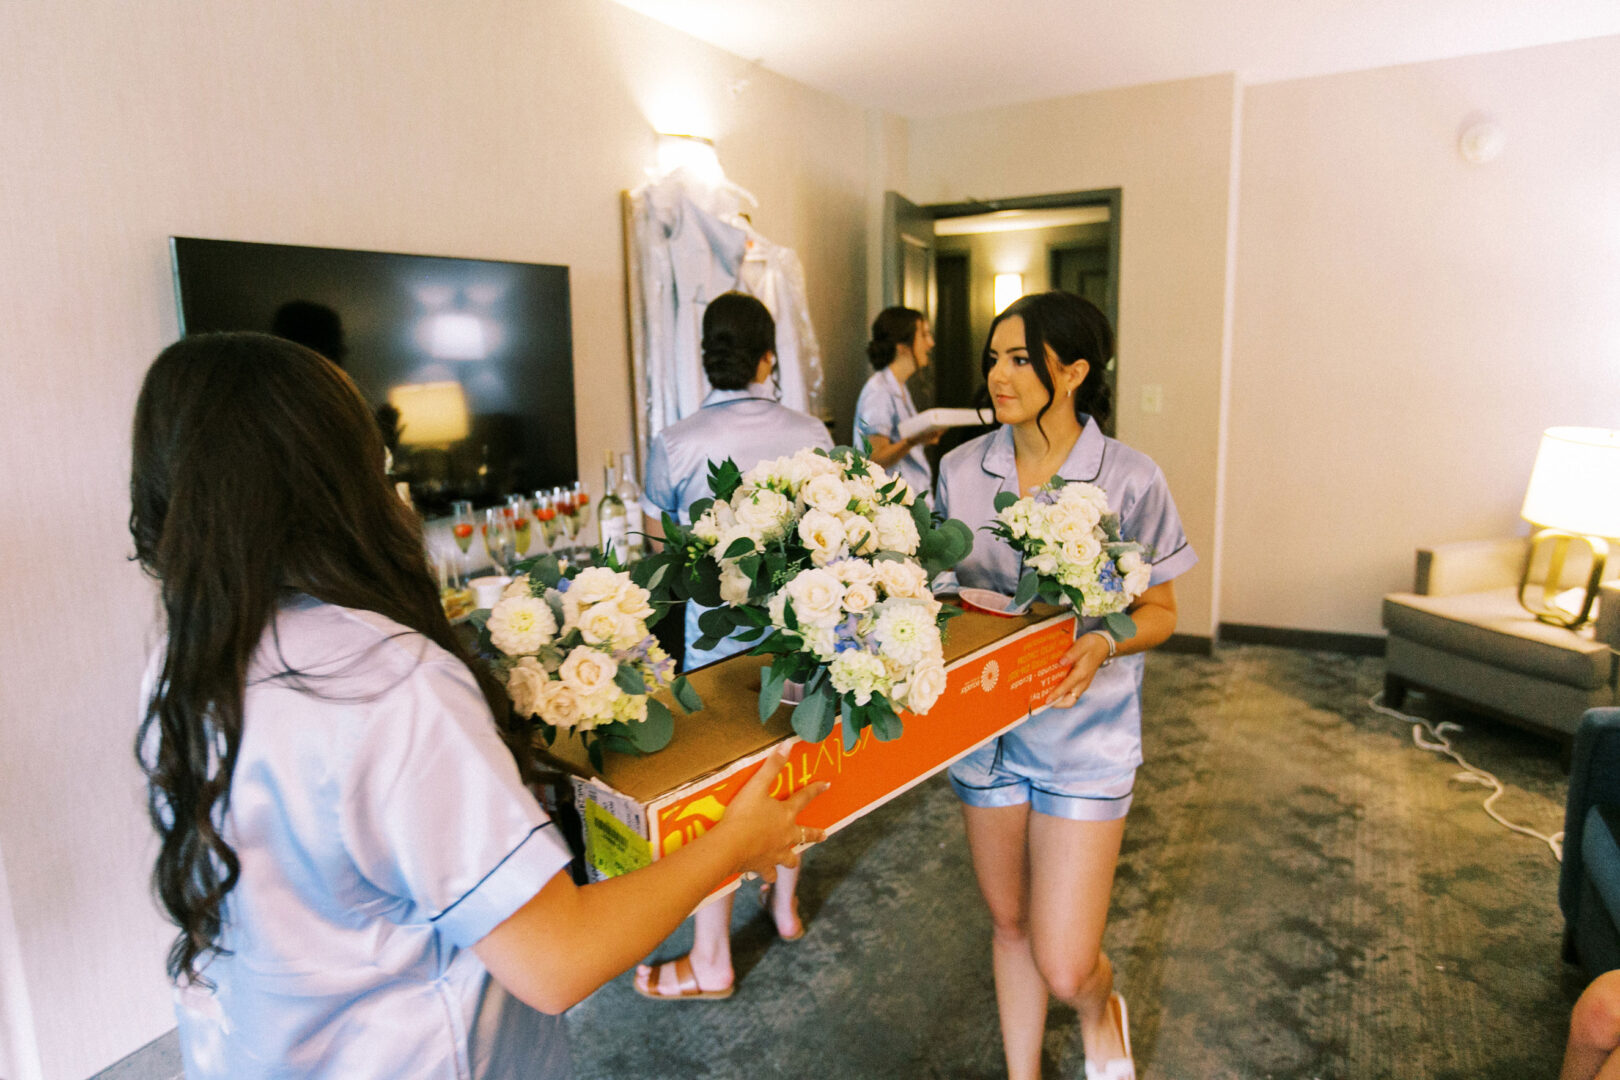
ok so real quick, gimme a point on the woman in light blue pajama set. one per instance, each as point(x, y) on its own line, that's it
point(901, 346)
point(1045, 804)
point(741, 421)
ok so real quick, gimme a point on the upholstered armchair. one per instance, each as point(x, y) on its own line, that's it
point(1589, 880)
point(1461, 633)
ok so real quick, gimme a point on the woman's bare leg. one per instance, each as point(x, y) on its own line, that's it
point(998, 840)
point(1594, 1032)
point(710, 955)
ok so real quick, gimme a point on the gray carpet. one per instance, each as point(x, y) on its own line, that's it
point(1302, 894)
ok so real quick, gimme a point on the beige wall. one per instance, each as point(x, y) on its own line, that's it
point(1407, 323)
point(1169, 147)
point(494, 129)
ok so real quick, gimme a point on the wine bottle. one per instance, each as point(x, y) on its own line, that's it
point(611, 517)
point(630, 493)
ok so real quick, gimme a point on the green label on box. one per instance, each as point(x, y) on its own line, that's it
point(610, 846)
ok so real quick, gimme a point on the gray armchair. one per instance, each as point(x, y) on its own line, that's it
point(1461, 632)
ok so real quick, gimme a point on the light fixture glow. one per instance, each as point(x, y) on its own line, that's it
point(1575, 485)
point(454, 336)
point(430, 414)
point(1009, 287)
point(693, 153)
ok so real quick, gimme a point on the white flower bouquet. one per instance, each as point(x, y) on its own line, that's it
point(1074, 552)
point(575, 655)
point(823, 561)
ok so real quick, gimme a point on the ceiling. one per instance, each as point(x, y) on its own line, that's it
point(918, 58)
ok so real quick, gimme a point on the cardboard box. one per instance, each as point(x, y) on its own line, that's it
point(639, 808)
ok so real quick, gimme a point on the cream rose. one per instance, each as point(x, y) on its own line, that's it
point(825, 492)
point(526, 684)
point(823, 535)
point(558, 705)
point(734, 584)
point(521, 624)
point(925, 686)
point(605, 624)
point(764, 513)
point(902, 578)
point(850, 571)
point(896, 531)
point(817, 597)
point(587, 671)
point(859, 597)
point(859, 534)
point(633, 600)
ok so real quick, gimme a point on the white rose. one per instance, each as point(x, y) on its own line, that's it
point(821, 641)
point(595, 584)
point(633, 600)
point(521, 624)
point(859, 673)
point(859, 534)
point(925, 686)
point(587, 671)
point(859, 597)
point(817, 597)
point(851, 571)
point(775, 608)
point(707, 527)
point(902, 578)
point(1130, 562)
point(896, 531)
point(518, 587)
point(1083, 551)
point(764, 513)
point(815, 464)
point(558, 705)
point(605, 624)
point(825, 492)
point(526, 684)
point(862, 490)
point(734, 584)
point(823, 535)
point(1137, 581)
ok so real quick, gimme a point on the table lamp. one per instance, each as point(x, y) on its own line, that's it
point(1574, 494)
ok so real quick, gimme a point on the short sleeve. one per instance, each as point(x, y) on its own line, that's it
point(434, 811)
point(658, 486)
point(875, 414)
point(1152, 521)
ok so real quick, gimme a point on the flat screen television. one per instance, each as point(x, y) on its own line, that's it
point(469, 363)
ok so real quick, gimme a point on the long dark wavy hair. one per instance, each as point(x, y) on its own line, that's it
point(1076, 329)
point(257, 474)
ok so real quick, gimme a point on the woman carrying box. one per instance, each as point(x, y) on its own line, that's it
point(364, 886)
point(1045, 804)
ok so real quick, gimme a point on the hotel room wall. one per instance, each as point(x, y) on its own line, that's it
point(1407, 323)
point(497, 130)
point(1169, 146)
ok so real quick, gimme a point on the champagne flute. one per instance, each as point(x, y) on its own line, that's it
point(545, 512)
point(461, 529)
point(565, 514)
point(499, 540)
point(518, 509)
point(581, 515)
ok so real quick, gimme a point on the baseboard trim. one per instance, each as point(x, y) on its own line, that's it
point(1189, 645)
point(1319, 640)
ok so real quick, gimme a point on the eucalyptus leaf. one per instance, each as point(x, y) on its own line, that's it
point(739, 547)
point(619, 744)
point(1003, 500)
point(771, 681)
point(594, 750)
point(1121, 625)
point(886, 723)
point(715, 622)
point(813, 717)
point(852, 732)
point(628, 679)
point(698, 508)
point(685, 695)
point(1028, 586)
point(921, 517)
point(654, 733)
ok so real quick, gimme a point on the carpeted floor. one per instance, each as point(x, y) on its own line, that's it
point(1302, 894)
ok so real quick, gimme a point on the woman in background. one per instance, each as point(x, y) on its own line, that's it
point(365, 889)
point(738, 420)
point(902, 345)
point(1045, 804)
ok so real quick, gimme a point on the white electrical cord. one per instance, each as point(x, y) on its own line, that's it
point(1427, 735)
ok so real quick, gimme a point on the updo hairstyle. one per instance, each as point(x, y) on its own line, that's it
point(737, 331)
point(892, 328)
point(1074, 329)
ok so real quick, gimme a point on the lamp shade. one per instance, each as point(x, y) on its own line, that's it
point(1575, 485)
point(430, 414)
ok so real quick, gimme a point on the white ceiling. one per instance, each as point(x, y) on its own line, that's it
point(930, 57)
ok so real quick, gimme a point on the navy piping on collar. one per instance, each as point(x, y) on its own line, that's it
point(984, 458)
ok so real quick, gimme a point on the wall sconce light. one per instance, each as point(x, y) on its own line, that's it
point(694, 153)
point(1481, 140)
point(1574, 494)
point(1009, 287)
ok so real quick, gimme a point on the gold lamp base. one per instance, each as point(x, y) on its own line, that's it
point(1545, 609)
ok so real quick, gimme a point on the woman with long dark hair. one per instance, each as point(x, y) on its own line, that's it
point(363, 885)
point(902, 344)
point(1045, 804)
point(739, 421)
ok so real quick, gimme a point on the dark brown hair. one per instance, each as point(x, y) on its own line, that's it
point(1075, 329)
point(737, 332)
point(257, 474)
point(894, 327)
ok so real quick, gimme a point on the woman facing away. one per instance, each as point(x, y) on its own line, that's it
point(739, 420)
point(363, 884)
point(1045, 804)
point(902, 345)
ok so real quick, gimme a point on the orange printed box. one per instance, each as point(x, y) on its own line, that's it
point(638, 809)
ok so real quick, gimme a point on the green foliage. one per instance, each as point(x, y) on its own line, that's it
point(772, 680)
point(1028, 586)
point(1121, 625)
point(1003, 500)
point(628, 679)
point(813, 718)
point(852, 730)
point(686, 696)
point(739, 547)
point(724, 479)
point(884, 720)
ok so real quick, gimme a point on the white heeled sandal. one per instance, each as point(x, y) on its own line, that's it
point(1123, 1068)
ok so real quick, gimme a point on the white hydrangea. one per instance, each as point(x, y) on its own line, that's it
point(858, 673)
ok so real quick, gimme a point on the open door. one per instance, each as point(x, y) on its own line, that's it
point(908, 271)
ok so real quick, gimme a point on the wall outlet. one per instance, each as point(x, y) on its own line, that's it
point(1153, 398)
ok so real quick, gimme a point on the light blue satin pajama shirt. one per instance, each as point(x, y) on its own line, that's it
point(1078, 762)
point(382, 831)
point(883, 403)
point(742, 425)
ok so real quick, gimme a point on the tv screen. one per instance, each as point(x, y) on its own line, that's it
point(469, 364)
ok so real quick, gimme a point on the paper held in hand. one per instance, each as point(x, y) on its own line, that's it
point(943, 418)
